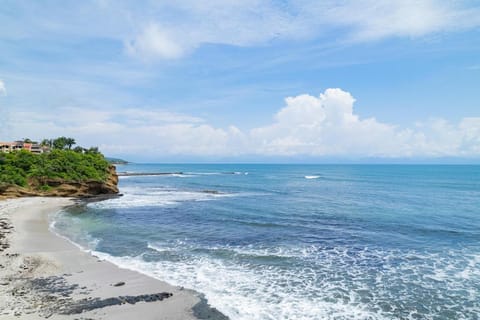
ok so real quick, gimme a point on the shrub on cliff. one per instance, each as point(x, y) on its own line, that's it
point(22, 167)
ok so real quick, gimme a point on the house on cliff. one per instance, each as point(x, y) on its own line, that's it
point(33, 147)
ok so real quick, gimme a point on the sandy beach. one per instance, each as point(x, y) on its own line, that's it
point(45, 276)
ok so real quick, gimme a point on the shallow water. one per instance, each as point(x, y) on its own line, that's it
point(299, 241)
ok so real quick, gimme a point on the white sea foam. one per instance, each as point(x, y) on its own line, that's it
point(340, 284)
point(329, 283)
point(140, 197)
point(159, 249)
point(181, 175)
point(335, 283)
point(154, 175)
point(248, 250)
point(312, 177)
point(216, 173)
point(242, 293)
point(204, 173)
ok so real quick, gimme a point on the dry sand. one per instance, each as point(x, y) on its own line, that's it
point(45, 276)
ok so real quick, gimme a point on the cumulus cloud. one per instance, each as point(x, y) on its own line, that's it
point(322, 125)
point(313, 126)
point(3, 89)
point(328, 126)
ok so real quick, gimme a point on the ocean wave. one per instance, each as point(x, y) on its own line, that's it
point(349, 285)
point(143, 197)
point(71, 229)
point(239, 292)
point(312, 177)
point(125, 175)
point(248, 250)
point(182, 175)
point(217, 173)
point(327, 283)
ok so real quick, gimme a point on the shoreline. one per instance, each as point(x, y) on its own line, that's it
point(43, 275)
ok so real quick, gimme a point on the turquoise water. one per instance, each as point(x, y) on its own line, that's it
point(299, 241)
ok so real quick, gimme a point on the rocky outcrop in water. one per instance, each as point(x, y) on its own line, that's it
point(62, 188)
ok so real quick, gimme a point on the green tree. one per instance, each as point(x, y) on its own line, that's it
point(92, 150)
point(47, 143)
point(63, 143)
point(70, 142)
point(60, 143)
point(27, 169)
point(78, 149)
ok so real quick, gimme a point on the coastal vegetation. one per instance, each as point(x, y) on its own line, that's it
point(61, 165)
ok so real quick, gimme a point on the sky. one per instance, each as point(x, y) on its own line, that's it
point(246, 81)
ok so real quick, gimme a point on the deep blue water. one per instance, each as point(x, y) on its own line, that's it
point(299, 241)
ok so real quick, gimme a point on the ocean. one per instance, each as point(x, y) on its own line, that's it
point(298, 241)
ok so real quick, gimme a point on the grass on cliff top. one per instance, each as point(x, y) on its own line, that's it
point(21, 167)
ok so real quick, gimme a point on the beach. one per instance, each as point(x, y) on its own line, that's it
point(297, 241)
point(43, 275)
point(268, 242)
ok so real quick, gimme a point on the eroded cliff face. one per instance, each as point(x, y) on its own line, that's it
point(62, 188)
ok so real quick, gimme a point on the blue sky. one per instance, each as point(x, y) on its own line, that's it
point(245, 80)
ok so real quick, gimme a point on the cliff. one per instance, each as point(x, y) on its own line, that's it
point(62, 188)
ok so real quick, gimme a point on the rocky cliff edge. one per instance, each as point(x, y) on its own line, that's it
point(63, 188)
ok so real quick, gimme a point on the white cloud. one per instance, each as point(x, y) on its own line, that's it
point(327, 126)
point(127, 131)
point(324, 125)
point(3, 89)
point(313, 126)
point(165, 29)
point(154, 42)
point(172, 29)
point(370, 19)
point(156, 116)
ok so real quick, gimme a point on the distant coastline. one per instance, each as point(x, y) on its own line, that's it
point(116, 160)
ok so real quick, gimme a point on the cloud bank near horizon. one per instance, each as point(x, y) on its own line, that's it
point(312, 126)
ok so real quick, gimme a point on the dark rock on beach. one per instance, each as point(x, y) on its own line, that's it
point(97, 303)
point(204, 311)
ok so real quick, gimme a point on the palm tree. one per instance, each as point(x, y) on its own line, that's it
point(46, 143)
point(69, 142)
